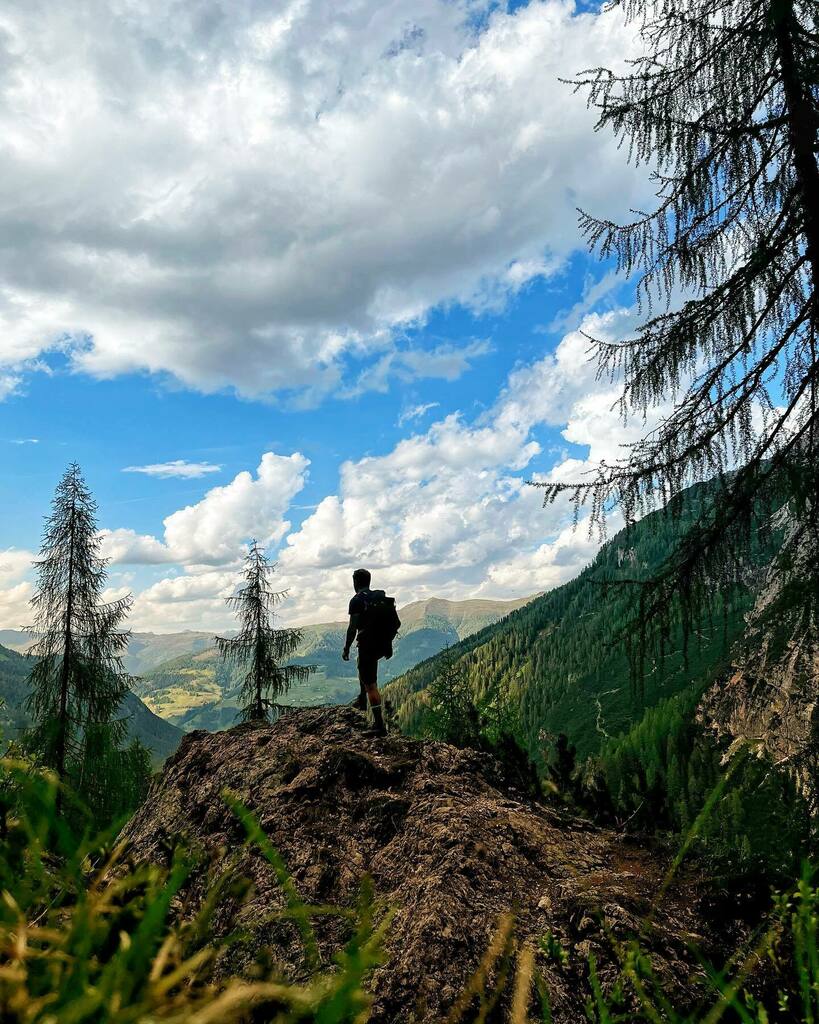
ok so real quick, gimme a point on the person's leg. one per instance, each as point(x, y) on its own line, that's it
point(368, 676)
point(360, 703)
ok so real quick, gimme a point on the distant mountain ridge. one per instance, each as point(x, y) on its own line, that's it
point(145, 650)
point(196, 691)
point(465, 617)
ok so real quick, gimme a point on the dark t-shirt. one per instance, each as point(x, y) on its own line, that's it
point(358, 605)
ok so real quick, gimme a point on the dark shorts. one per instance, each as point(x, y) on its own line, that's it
point(367, 669)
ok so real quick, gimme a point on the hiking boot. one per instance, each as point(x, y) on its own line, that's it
point(377, 728)
point(360, 703)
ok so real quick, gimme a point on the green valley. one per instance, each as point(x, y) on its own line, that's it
point(197, 691)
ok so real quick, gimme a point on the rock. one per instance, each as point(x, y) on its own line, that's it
point(448, 844)
point(771, 699)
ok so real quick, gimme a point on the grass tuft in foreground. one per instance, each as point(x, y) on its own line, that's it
point(88, 937)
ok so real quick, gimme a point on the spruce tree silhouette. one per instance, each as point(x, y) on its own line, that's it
point(77, 681)
point(259, 647)
point(725, 106)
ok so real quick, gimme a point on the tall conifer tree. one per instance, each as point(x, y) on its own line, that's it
point(451, 711)
point(725, 106)
point(259, 647)
point(77, 682)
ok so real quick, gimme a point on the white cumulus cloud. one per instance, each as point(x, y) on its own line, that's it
point(15, 589)
point(213, 531)
point(261, 197)
point(444, 512)
point(448, 511)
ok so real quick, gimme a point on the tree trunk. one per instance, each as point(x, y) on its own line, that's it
point(803, 128)
point(65, 668)
point(260, 715)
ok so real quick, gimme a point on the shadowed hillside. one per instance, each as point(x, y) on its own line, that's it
point(160, 737)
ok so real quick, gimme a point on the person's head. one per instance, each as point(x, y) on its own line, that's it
point(361, 579)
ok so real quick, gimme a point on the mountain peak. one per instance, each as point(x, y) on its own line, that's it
point(467, 616)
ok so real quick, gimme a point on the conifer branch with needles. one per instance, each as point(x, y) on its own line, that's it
point(724, 105)
point(259, 647)
point(78, 682)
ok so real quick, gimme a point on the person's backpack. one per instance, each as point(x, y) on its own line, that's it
point(380, 622)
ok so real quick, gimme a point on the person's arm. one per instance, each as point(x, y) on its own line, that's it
point(352, 629)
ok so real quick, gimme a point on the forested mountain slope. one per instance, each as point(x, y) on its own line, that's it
point(14, 670)
point(557, 660)
point(554, 679)
point(160, 737)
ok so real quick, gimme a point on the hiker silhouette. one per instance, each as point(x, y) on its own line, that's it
point(374, 624)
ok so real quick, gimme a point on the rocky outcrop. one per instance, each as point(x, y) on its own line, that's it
point(450, 847)
point(775, 711)
point(770, 701)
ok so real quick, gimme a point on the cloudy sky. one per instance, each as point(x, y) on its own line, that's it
point(306, 271)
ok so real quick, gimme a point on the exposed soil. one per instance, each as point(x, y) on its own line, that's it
point(448, 843)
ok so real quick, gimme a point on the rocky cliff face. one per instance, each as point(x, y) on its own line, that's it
point(448, 844)
point(771, 700)
point(775, 709)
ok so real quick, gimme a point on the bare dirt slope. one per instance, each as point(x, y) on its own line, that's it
point(446, 841)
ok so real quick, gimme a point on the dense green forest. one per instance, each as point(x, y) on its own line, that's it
point(559, 678)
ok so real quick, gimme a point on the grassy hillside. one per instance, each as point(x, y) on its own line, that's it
point(556, 659)
point(148, 650)
point(159, 736)
point(196, 691)
point(462, 618)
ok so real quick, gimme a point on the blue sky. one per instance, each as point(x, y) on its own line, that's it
point(343, 237)
point(108, 425)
